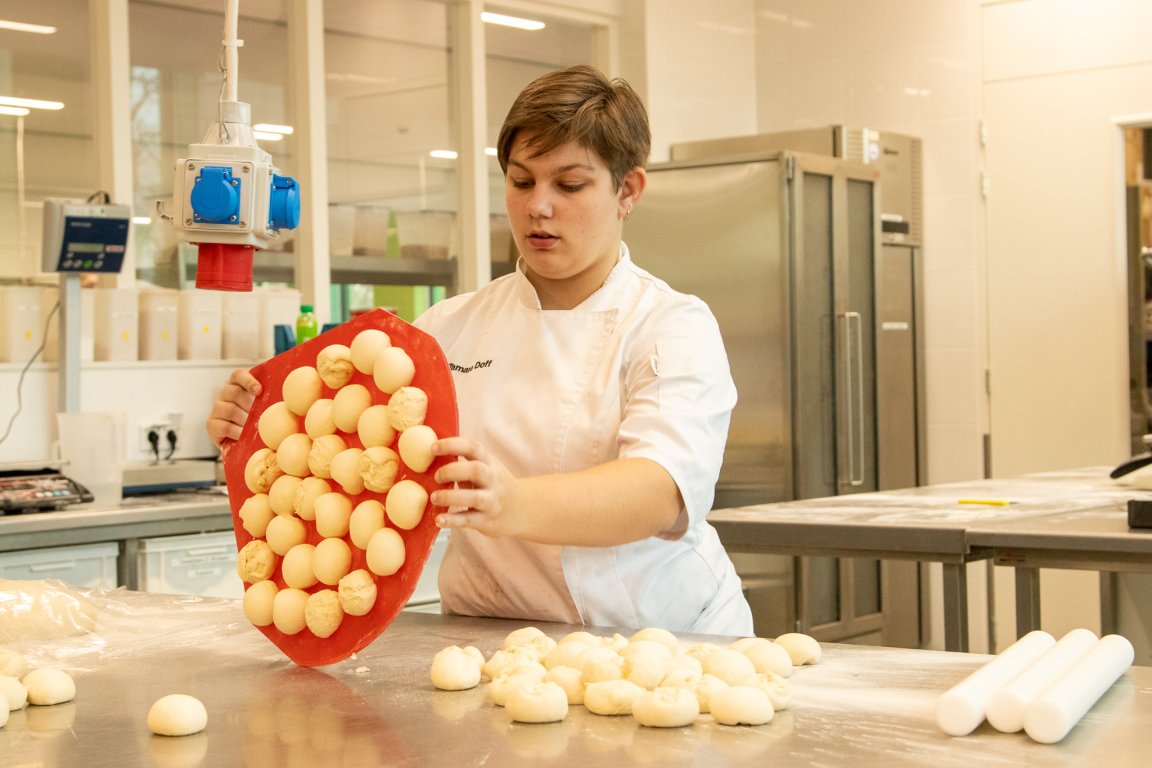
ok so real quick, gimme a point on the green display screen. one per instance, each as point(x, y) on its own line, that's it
point(86, 247)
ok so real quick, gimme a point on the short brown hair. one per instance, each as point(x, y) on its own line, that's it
point(580, 104)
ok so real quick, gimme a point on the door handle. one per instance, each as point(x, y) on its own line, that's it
point(854, 399)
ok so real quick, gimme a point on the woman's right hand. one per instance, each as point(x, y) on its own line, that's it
point(230, 411)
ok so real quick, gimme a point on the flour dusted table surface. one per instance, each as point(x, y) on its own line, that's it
point(860, 706)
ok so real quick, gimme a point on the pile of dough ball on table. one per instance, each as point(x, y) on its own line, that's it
point(648, 676)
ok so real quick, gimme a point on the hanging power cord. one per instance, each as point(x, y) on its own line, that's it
point(20, 381)
point(171, 437)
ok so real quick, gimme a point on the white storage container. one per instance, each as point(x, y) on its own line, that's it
point(117, 323)
point(85, 565)
point(341, 229)
point(199, 335)
point(278, 306)
point(21, 327)
point(48, 299)
point(241, 326)
point(159, 324)
point(371, 233)
point(201, 564)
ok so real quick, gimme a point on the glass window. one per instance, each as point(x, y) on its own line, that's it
point(48, 152)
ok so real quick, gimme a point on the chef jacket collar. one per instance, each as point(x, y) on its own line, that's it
point(602, 298)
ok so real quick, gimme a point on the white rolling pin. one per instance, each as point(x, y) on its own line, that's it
point(1050, 717)
point(962, 707)
point(1005, 710)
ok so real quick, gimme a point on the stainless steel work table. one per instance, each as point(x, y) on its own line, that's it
point(1088, 539)
point(136, 518)
point(926, 524)
point(859, 706)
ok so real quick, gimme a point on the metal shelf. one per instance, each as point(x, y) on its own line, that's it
point(280, 268)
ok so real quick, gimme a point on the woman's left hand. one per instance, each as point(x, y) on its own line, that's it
point(486, 497)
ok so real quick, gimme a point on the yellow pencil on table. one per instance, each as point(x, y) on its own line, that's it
point(988, 502)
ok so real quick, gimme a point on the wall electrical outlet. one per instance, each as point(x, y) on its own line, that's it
point(159, 428)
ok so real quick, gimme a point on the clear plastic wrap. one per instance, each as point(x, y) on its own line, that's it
point(44, 609)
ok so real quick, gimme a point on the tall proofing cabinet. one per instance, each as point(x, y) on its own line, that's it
point(820, 325)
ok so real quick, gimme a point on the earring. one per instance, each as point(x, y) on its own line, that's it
point(628, 212)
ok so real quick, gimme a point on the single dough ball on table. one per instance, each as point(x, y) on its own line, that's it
point(324, 449)
point(257, 602)
point(334, 364)
point(611, 697)
point(647, 669)
point(682, 676)
point(297, 566)
point(529, 637)
point(331, 561)
point(333, 513)
point(599, 663)
point(378, 468)
point(707, 687)
point(288, 610)
point(744, 643)
point(392, 369)
point(454, 670)
point(565, 654)
point(769, 657)
point(285, 532)
point(293, 454)
point(13, 692)
point(537, 703)
point(310, 489)
point(658, 635)
point(366, 519)
point(528, 673)
point(255, 514)
point(366, 346)
point(319, 421)
point(570, 680)
point(357, 592)
point(347, 406)
point(385, 553)
point(728, 665)
point(12, 663)
point(666, 708)
point(373, 428)
point(49, 685)
point(345, 469)
point(302, 387)
point(775, 686)
point(701, 651)
point(282, 494)
point(407, 407)
point(261, 470)
point(405, 504)
point(255, 562)
point(276, 423)
point(741, 705)
point(415, 447)
point(322, 613)
point(506, 659)
point(177, 714)
point(804, 649)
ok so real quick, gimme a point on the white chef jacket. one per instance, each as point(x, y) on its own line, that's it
point(636, 370)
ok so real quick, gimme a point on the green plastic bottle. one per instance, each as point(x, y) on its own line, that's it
point(306, 325)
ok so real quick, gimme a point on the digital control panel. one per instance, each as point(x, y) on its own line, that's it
point(47, 490)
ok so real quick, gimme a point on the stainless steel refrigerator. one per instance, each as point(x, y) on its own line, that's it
point(820, 328)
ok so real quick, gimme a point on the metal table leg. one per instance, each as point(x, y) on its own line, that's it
point(1027, 600)
point(955, 607)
